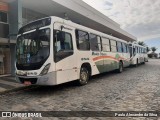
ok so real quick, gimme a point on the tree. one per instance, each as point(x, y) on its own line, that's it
point(141, 43)
point(153, 49)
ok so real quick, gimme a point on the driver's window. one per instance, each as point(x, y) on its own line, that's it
point(63, 45)
point(63, 41)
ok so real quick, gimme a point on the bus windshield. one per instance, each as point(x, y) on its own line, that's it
point(33, 48)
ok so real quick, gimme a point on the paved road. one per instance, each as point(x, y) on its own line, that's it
point(136, 89)
point(8, 83)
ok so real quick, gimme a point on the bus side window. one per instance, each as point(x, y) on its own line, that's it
point(95, 42)
point(145, 51)
point(134, 51)
point(128, 48)
point(137, 50)
point(113, 45)
point(119, 47)
point(82, 40)
point(124, 48)
point(106, 45)
point(142, 50)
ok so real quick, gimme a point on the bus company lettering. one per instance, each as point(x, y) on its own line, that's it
point(98, 53)
point(95, 53)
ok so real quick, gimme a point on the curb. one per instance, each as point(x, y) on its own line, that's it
point(15, 90)
point(7, 75)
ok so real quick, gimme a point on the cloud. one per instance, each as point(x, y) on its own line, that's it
point(108, 3)
point(139, 17)
point(149, 37)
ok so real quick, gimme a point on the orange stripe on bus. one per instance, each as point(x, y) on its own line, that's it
point(110, 57)
point(103, 57)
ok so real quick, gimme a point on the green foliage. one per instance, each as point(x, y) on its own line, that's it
point(153, 49)
point(141, 43)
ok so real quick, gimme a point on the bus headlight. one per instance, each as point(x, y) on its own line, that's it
point(45, 70)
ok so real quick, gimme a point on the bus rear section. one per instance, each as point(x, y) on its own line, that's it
point(138, 54)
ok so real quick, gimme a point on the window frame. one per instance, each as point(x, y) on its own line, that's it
point(70, 37)
point(54, 48)
point(114, 46)
point(77, 41)
point(121, 47)
point(127, 47)
point(98, 43)
point(124, 46)
point(137, 49)
point(109, 45)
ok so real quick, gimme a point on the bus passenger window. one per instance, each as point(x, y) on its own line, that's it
point(106, 45)
point(113, 46)
point(124, 48)
point(119, 47)
point(127, 48)
point(82, 40)
point(134, 51)
point(95, 42)
point(137, 50)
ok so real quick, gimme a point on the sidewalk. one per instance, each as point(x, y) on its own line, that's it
point(8, 83)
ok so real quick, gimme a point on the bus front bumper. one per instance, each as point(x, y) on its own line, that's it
point(49, 79)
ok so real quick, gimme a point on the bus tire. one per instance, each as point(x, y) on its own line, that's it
point(144, 61)
point(84, 76)
point(136, 65)
point(120, 69)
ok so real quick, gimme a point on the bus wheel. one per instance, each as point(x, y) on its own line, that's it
point(136, 63)
point(144, 61)
point(84, 76)
point(120, 69)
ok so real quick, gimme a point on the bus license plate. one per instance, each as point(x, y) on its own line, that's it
point(27, 83)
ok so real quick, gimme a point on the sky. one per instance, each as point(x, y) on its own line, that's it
point(140, 18)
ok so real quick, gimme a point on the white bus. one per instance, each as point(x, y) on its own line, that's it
point(53, 51)
point(138, 54)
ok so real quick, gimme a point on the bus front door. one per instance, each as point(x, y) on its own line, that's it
point(65, 56)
